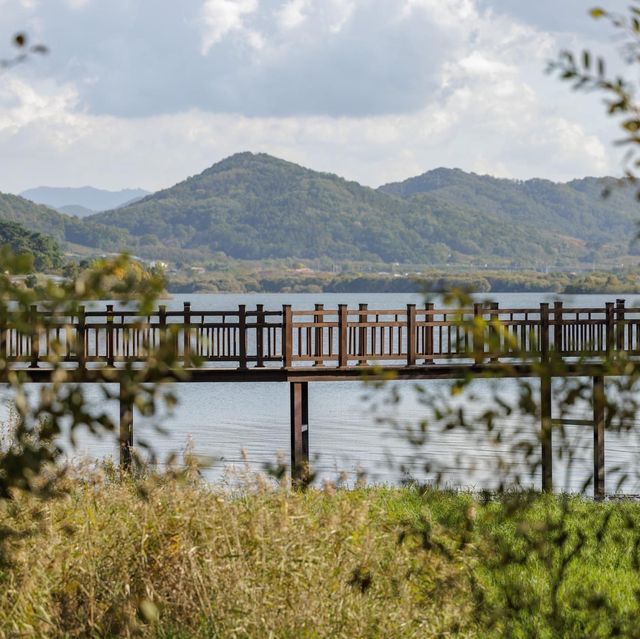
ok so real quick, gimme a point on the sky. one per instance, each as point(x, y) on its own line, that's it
point(144, 93)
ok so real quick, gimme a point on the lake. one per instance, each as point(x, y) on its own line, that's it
point(248, 424)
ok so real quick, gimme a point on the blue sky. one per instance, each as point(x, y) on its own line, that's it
point(146, 92)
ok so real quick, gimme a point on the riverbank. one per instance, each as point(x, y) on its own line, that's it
point(168, 558)
point(477, 281)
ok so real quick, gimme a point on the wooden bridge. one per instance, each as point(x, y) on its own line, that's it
point(339, 344)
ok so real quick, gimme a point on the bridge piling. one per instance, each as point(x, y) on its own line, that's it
point(546, 404)
point(598, 437)
point(299, 398)
point(126, 428)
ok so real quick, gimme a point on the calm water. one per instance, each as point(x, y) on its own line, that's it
point(222, 420)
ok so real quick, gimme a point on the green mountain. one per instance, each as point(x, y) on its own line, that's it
point(254, 206)
point(40, 219)
point(575, 212)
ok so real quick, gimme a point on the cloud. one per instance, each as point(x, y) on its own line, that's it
point(221, 17)
point(144, 93)
point(292, 13)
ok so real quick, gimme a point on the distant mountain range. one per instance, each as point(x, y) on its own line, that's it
point(254, 206)
point(82, 201)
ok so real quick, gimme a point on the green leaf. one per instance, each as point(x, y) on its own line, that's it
point(597, 13)
point(586, 59)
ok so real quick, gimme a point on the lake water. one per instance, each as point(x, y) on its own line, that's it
point(249, 423)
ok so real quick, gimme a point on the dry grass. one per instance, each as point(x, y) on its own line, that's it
point(172, 559)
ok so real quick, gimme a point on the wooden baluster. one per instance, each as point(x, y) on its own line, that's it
point(494, 332)
point(35, 336)
point(186, 334)
point(429, 318)
point(110, 350)
point(162, 322)
point(610, 328)
point(318, 318)
point(287, 336)
point(81, 338)
point(242, 335)
point(558, 313)
point(411, 334)
point(620, 325)
point(260, 336)
point(363, 318)
point(478, 334)
point(343, 320)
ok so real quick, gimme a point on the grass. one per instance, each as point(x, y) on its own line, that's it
point(172, 559)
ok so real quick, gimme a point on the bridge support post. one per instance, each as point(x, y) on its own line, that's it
point(126, 428)
point(546, 435)
point(598, 437)
point(299, 397)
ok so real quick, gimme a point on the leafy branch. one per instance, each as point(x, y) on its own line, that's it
point(20, 42)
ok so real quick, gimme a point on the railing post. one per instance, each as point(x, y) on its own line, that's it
point(287, 336)
point(546, 435)
point(81, 339)
point(260, 335)
point(35, 336)
point(343, 320)
point(162, 322)
point(478, 334)
point(610, 328)
point(598, 437)
point(362, 334)
point(318, 318)
point(558, 314)
point(620, 323)
point(494, 314)
point(242, 335)
point(411, 334)
point(110, 349)
point(186, 336)
point(428, 317)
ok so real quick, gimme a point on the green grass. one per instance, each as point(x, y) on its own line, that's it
point(176, 560)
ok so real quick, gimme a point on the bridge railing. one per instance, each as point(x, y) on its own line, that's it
point(336, 337)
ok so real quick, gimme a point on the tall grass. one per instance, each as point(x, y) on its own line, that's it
point(169, 559)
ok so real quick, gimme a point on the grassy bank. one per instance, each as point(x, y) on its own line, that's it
point(170, 559)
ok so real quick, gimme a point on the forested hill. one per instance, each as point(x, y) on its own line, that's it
point(573, 209)
point(254, 206)
point(45, 250)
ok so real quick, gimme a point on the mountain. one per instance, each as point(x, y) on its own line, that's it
point(86, 197)
point(575, 210)
point(40, 219)
point(254, 206)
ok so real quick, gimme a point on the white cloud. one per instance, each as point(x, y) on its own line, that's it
point(375, 90)
point(292, 13)
point(221, 17)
